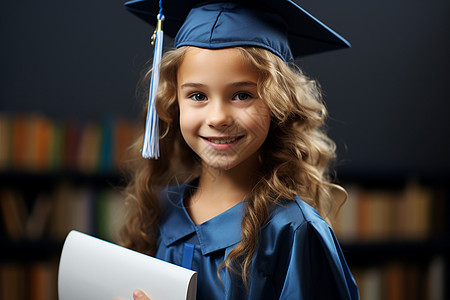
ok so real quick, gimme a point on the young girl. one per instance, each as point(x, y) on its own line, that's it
point(242, 187)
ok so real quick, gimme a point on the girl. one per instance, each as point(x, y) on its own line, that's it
point(242, 188)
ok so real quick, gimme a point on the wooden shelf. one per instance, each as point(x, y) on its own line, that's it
point(29, 251)
point(370, 253)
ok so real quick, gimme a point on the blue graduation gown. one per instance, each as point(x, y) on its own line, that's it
point(298, 256)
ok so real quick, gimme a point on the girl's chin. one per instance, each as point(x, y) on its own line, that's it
point(220, 166)
point(229, 161)
point(219, 163)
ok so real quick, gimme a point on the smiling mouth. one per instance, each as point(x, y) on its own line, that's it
point(223, 140)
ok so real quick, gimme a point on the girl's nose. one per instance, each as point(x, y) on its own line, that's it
point(220, 115)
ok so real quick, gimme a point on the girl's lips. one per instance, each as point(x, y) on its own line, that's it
point(223, 140)
point(222, 143)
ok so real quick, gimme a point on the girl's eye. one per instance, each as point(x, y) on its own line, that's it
point(198, 97)
point(242, 96)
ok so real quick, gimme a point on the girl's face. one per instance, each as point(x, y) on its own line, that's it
point(221, 116)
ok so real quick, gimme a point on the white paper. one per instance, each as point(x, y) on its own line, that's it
point(91, 268)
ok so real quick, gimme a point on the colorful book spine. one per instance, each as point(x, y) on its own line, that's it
point(35, 143)
point(411, 213)
point(395, 280)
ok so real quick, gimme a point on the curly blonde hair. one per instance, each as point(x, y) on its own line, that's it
point(296, 155)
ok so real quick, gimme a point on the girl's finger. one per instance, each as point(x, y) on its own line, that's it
point(139, 295)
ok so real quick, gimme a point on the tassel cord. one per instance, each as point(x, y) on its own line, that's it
point(150, 147)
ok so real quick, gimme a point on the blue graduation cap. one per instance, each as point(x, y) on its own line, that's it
point(280, 26)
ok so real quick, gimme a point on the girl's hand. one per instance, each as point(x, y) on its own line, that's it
point(139, 295)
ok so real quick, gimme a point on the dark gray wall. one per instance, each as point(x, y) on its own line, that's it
point(388, 96)
point(71, 58)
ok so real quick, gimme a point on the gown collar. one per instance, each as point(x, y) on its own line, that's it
point(222, 231)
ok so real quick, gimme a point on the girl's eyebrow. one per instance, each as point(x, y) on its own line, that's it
point(244, 84)
point(191, 85)
point(234, 84)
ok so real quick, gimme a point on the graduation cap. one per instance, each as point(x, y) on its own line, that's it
point(280, 26)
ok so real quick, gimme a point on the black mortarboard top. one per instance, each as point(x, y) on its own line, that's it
point(278, 25)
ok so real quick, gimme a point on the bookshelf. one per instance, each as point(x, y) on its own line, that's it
point(55, 176)
point(31, 241)
point(395, 235)
point(394, 231)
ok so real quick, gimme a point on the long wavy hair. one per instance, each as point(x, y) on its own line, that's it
point(296, 155)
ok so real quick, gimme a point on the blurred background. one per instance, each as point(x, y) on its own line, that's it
point(68, 110)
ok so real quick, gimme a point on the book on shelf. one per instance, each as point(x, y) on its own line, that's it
point(19, 142)
point(5, 145)
point(13, 213)
point(56, 146)
point(38, 218)
point(35, 143)
point(125, 133)
point(379, 215)
point(42, 278)
point(110, 214)
point(71, 133)
point(39, 135)
point(12, 278)
point(89, 148)
point(35, 280)
point(76, 208)
point(52, 214)
point(394, 280)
